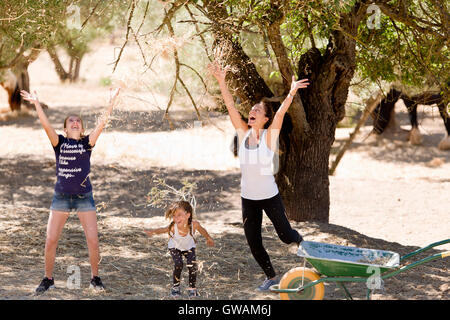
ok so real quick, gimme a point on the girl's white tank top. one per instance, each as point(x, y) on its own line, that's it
point(179, 242)
point(257, 180)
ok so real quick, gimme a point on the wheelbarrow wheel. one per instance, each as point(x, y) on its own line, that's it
point(294, 278)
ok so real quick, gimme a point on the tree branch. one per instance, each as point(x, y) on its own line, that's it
point(130, 17)
point(408, 20)
point(90, 15)
point(202, 39)
point(276, 42)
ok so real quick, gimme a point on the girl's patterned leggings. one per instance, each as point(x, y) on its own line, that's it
point(191, 263)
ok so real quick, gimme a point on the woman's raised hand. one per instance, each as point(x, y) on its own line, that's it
point(217, 71)
point(29, 97)
point(295, 85)
point(113, 94)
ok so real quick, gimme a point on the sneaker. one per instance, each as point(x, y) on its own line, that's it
point(96, 283)
point(267, 284)
point(46, 284)
point(192, 293)
point(175, 292)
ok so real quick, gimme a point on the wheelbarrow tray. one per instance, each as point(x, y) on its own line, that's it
point(340, 261)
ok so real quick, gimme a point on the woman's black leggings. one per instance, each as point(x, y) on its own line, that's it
point(191, 263)
point(252, 218)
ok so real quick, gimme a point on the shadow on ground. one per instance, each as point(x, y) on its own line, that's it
point(136, 267)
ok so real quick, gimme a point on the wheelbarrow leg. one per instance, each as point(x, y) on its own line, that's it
point(348, 296)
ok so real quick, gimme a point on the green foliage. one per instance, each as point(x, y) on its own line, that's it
point(396, 52)
point(412, 50)
point(27, 24)
point(409, 46)
point(105, 81)
point(86, 21)
point(41, 23)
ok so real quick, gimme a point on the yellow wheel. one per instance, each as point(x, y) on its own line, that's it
point(293, 279)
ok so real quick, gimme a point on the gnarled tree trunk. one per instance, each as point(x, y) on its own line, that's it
point(73, 72)
point(19, 79)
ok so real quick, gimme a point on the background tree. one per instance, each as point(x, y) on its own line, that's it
point(29, 27)
point(86, 21)
point(25, 28)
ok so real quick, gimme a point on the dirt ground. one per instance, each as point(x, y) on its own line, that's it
point(386, 194)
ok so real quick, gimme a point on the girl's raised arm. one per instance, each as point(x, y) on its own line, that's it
point(274, 129)
point(219, 73)
point(51, 133)
point(93, 136)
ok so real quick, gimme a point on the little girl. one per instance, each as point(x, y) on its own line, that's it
point(182, 243)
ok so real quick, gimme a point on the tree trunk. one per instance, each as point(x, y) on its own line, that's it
point(60, 71)
point(303, 177)
point(74, 68)
point(20, 71)
point(76, 71)
point(244, 80)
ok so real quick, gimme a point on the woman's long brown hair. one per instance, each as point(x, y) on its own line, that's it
point(269, 107)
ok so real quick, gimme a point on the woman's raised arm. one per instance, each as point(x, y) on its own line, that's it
point(275, 127)
point(219, 73)
point(93, 136)
point(51, 133)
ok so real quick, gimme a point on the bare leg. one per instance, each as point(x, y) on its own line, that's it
point(55, 225)
point(88, 220)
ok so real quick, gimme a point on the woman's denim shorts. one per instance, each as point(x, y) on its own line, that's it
point(73, 202)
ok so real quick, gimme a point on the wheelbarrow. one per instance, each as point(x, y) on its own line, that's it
point(341, 264)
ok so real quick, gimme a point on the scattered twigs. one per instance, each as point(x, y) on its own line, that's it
point(163, 193)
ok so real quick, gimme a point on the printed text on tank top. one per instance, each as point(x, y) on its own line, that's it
point(73, 165)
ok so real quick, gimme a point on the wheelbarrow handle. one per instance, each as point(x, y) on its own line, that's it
point(435, 244)
point(441, 255)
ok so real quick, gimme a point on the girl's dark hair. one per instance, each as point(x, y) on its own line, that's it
point(269, 106)
point(186, 206)
point(73, 115)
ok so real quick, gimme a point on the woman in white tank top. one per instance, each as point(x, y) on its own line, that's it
point(259, 191)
